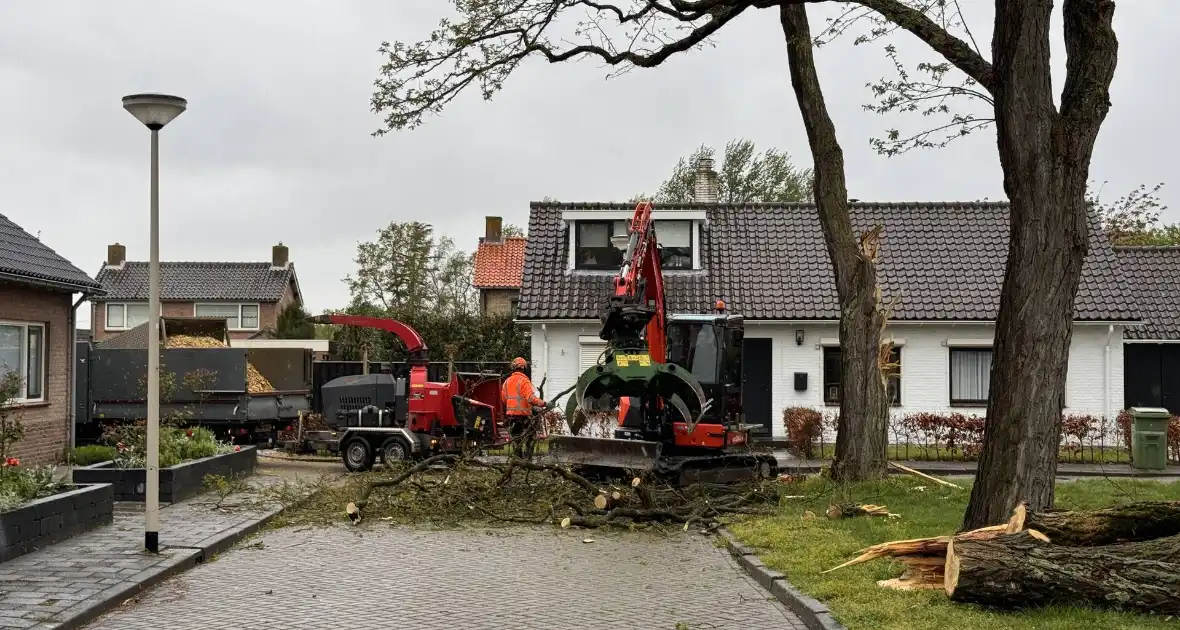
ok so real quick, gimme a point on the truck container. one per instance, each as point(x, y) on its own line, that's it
point(217, 386)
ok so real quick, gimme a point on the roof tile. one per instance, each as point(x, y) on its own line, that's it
point(500, 265)
point(23, 255)
point(939, 261)
point(1152, 275)
point(199, 281)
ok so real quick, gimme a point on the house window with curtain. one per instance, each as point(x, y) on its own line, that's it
point(832, 376)
point(237, 316)
point(970, 374)
point(22, 352)
point(675, 239)
point(126, 315)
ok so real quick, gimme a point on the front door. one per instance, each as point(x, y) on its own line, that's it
point(757, 366)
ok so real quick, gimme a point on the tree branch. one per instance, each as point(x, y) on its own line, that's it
point(495, 36)
point(1092, 54)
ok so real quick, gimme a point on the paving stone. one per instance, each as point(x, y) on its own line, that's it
point(494, 579)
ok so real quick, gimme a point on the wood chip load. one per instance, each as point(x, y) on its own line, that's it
point(1125, 557)
point(256, 383)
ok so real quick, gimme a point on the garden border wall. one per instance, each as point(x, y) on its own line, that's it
point(177, 483)
point(55, 518)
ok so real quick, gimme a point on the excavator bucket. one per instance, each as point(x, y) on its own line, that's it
point(597, 393)
point(634, 455)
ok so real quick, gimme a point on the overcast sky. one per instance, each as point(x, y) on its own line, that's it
point(276, 143)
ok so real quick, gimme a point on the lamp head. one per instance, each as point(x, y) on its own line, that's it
point(154, 110)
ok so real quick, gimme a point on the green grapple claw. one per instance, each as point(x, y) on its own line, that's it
point(597, 391)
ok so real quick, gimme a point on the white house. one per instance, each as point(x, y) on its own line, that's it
point(941, 262)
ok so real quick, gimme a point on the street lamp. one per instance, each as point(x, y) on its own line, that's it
point(154, 111)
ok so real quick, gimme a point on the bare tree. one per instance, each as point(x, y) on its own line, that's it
point(1045, 152)
point(493, 37)
point(862, 435)
point(1134, 218)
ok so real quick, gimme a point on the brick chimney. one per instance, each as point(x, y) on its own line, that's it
point(279, 256)
point(493, 228)
point(705, 182)
point(116, 255)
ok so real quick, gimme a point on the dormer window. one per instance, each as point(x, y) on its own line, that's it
point(594, 250)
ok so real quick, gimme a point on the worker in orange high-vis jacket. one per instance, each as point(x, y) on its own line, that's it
point(520, 404)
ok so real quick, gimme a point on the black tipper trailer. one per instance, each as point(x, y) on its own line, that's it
point(208, 385)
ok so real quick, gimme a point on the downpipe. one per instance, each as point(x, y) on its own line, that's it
point(73, 371)
point(544, 352)
point(1106, 373)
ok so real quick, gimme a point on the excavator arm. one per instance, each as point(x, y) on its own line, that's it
point(638, 304)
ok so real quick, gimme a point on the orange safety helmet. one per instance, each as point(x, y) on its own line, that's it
point(519, 363)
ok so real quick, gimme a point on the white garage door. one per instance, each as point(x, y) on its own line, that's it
point(588, 355)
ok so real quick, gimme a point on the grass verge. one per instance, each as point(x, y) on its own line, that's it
point(930, 453)
point(802, 548)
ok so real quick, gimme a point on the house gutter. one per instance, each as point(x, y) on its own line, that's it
point(545, 350)
point(1106, 375)
point(72, 372)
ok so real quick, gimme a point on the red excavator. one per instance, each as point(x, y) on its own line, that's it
point(673, 381)
point(398, 418)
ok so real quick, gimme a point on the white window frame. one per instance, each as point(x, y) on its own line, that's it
point(22, 397)
point(257, 306)
point(106, 313)
point(573, 217)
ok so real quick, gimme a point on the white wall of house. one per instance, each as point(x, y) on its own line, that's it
point(1094, 386)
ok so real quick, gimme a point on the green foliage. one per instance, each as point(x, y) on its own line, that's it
point(177, 444)
point(292, 323)
point(1134, 218)
point(407, 268)
point(11, 429)
point(744, 176)
point(92, 454)
point(465, 337)
point(509, 231)
point(21, 484)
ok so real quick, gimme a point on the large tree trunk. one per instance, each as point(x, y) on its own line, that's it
point(1142, 520)
point(862, 431)
point(1019, 571)
point(1046, 160)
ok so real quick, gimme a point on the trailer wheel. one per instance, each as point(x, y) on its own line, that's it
point(358, 455)
point(394, 450)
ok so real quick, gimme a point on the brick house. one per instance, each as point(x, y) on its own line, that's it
point(37, 321)
point(249, 295)
point(499, 262)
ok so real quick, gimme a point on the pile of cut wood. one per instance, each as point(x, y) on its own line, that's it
point(1124, 557)
point(256, 383)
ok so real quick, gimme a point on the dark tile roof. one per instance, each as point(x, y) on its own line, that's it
point(939, 260)
point(1152, 275)
point(499, 265)
point(26, 258)
point(255, 281)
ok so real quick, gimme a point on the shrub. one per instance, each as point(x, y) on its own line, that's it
point(804, 427)
point(177, 444)
point(93, 454)
point(21, 484)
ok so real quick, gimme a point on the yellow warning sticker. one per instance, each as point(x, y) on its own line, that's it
point(625, 360)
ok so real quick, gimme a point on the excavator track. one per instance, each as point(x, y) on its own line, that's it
point(722, 468)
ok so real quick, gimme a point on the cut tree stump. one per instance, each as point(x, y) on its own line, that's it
point(1142, 520)
point(1020, 571)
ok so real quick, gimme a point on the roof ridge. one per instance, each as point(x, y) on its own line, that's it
point(1174, 248)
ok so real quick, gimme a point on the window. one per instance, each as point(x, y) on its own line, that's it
point(22, 351)
point(693, 346)
point(123, 316)
point(675, 238)
point(832, 374)
point(970, 375)
point(514, 306)
point(237, 316)
point(593, 248)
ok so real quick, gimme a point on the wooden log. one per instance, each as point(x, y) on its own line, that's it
point(1142, 520)
point(1021, 571)
point(919, 547)
point(921, 573)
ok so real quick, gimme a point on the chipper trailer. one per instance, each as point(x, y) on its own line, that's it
point(673, 381)
point(405, 417)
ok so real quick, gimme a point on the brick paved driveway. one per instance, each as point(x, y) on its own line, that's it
point(381, 577)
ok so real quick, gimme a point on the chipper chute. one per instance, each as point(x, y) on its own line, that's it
point(640, 397)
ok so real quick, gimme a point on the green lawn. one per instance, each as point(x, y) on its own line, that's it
point(802, 548)
point(922, 453)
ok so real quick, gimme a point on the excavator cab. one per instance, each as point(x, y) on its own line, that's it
point(710, 348)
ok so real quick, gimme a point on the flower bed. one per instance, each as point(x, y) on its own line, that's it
point(44, 521)
point(177, 482)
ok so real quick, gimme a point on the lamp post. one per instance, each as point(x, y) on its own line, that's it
point(154, 111)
